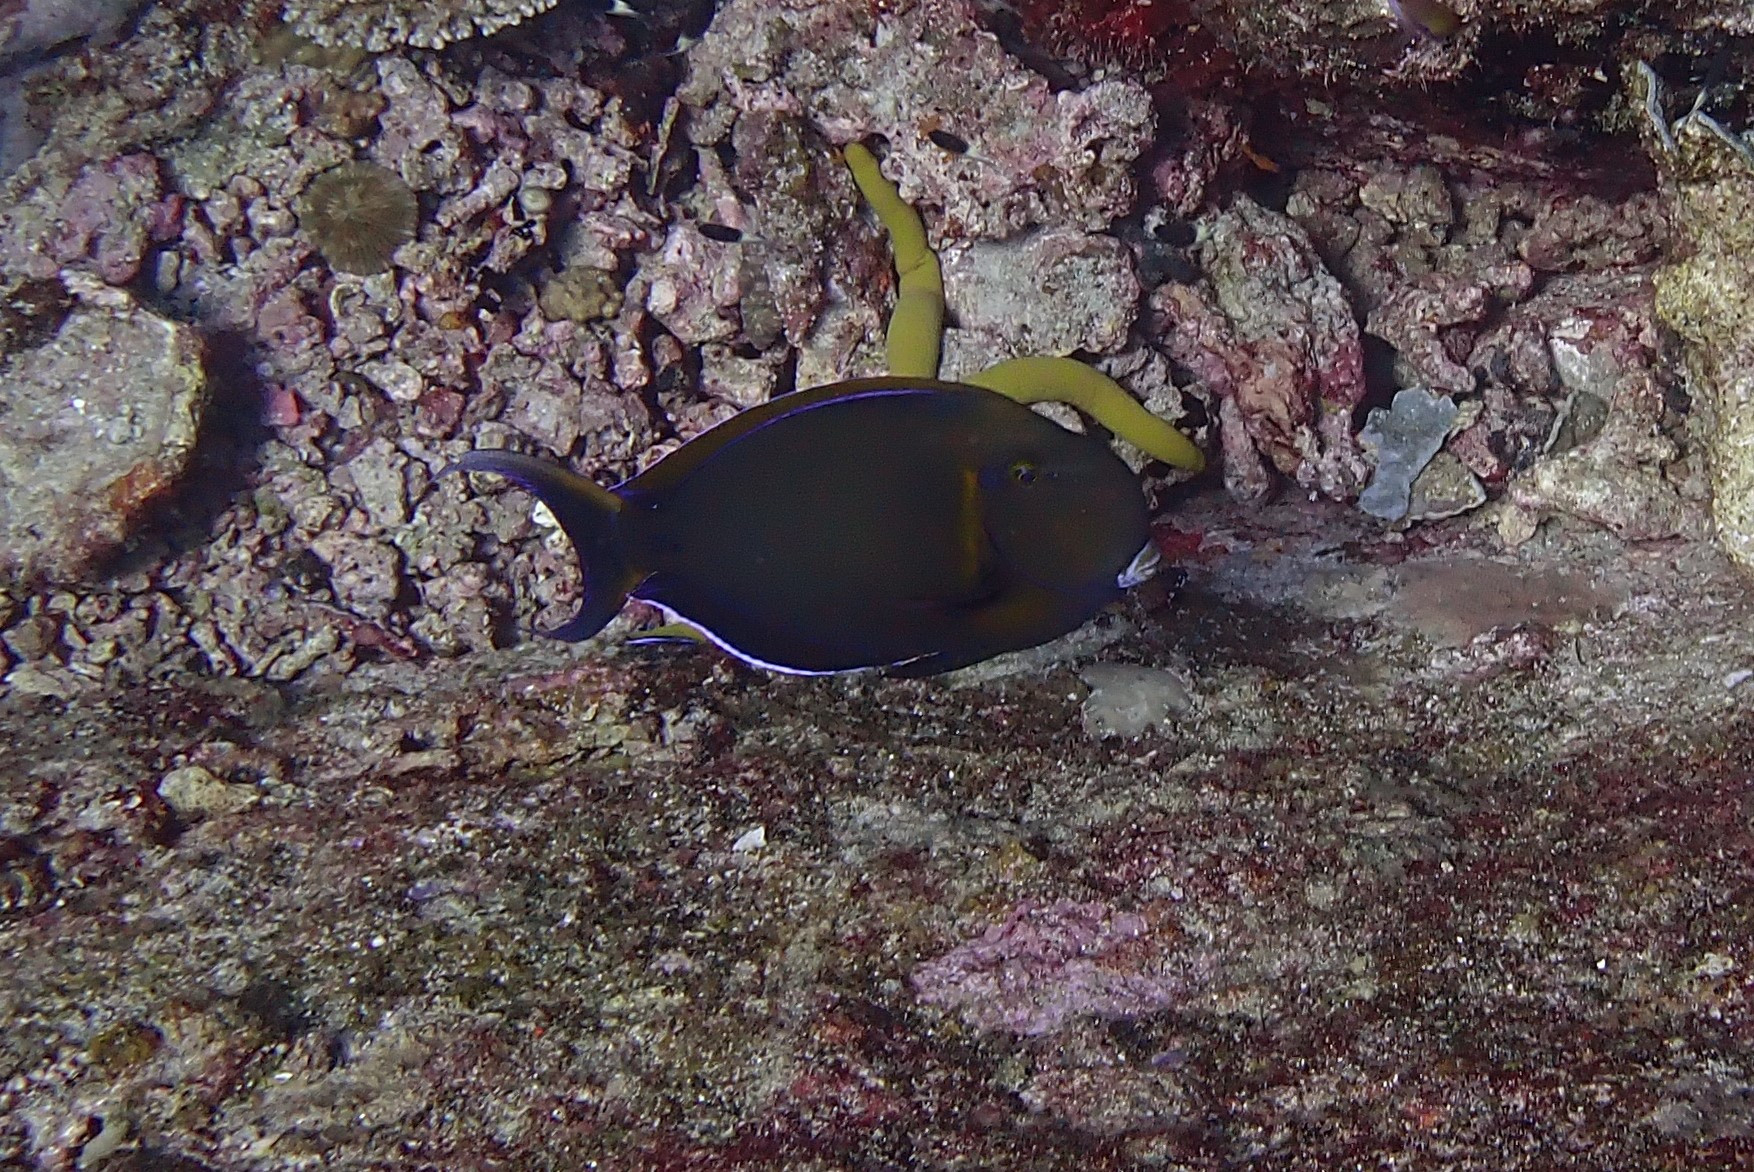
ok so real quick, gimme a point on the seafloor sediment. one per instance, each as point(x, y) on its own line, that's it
point(1442, 861)
point(1415, 828)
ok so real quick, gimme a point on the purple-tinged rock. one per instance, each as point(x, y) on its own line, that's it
point(1271, 330)
point(102, 221)
point(1045, 967)
point(1037, 155)
point(32, 29)
point(1415, 316)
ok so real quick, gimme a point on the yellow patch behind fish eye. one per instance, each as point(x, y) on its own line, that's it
point(971, 527)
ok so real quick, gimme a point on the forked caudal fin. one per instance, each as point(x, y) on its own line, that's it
point(590, 514)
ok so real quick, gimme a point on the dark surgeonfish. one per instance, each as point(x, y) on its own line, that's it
point(889, 522)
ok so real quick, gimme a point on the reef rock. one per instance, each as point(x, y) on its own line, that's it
point(100, 422)
point(1707, 296)
point(32, 29)
point(1035, 156)
point(1270, 332)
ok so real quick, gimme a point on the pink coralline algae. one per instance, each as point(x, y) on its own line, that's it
point(1064, 157)
point(104, 222)
point(1048, 965)
point(1416, 317)
point(1271, 333)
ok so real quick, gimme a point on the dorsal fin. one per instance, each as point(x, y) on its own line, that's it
point(678, 465)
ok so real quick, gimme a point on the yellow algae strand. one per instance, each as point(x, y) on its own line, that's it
point(917, 322)
point(1066, 380)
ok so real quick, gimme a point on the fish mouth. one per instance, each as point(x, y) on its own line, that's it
point(1143, 565)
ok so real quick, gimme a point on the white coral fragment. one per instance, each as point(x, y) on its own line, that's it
point(381, 25)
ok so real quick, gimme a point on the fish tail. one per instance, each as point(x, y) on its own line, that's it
point(591, 517)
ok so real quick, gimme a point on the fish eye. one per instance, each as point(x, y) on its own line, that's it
point(1023, 472)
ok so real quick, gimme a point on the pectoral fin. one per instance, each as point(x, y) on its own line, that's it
point(1007, 620)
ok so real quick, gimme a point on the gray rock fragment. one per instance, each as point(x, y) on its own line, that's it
point(1126, 700)
point(379, 481)
point(1404, 439)
point(194, 793)
point(1052, 292)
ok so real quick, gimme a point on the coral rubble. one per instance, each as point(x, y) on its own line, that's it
point(377, 25)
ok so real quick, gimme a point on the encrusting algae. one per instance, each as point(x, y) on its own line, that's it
point(902, 522)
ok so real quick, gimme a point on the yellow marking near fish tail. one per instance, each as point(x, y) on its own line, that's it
point(676, 630)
